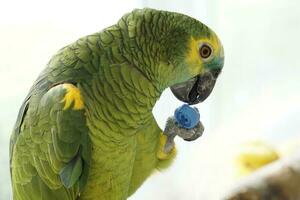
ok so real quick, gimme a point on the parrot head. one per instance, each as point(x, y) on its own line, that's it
point(185, 54)
point(203, 59)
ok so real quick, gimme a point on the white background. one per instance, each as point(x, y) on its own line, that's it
point(256, 97)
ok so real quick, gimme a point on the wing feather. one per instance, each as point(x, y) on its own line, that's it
point(47, 139)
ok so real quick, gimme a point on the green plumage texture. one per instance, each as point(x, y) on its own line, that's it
point(106, 149)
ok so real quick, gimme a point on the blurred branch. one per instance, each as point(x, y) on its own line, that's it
point(279, 180)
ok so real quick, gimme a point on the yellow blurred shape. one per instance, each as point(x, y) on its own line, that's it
point(254, 155)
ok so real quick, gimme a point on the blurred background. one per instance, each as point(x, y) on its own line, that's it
point(256, 97)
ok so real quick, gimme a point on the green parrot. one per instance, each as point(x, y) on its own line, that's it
point(86, 128)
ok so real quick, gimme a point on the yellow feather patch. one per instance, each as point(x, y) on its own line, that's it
point(193, 58)
point(72, 95)
point(193, 54)
point(161, 154)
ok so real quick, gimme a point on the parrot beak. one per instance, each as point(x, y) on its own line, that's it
point(197, 89)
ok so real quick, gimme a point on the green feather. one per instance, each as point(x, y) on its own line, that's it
point(70, 174)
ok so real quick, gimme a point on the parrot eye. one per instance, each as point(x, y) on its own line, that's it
point(205, 51)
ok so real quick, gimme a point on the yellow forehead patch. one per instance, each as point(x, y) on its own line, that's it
point(72, 95)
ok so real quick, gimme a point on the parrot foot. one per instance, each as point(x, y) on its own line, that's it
point(173, 129)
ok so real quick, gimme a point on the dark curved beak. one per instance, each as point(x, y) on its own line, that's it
point(197, 89)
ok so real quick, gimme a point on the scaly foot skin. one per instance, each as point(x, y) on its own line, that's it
point(173, 129)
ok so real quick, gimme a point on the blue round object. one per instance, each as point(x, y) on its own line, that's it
point(186, 116)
